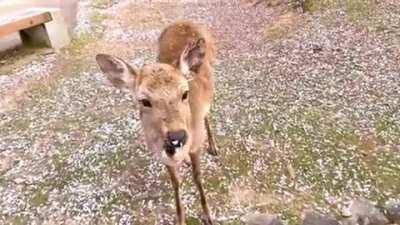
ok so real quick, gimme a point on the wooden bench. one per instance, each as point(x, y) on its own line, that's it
point(37, 26)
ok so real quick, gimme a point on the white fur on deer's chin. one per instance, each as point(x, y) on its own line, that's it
point(176, 160)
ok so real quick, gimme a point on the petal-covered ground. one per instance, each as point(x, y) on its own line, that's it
point(307, 115)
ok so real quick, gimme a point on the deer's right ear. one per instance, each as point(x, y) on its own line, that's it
point(118, 72)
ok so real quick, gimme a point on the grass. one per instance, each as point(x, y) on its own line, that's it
point(79, 44)
point(98, 18)
point(234, 222)
point(282, 27)
point(102, 3)
point(312, 155)
point(19, 56)
point(19, 125)
point(193, 221)
point(18, 220)
point(275, 32)
point(327, 155)
point(308, 152)
point(359, 10)
point(388, 129)
point(317, 5)
point(356, 10)
point(40, 197)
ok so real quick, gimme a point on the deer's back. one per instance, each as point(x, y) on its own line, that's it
point(175, 37)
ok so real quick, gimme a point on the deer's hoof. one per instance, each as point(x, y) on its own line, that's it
point(212, 150)
point(206, 219)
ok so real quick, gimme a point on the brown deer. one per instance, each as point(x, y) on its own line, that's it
point(174, 95)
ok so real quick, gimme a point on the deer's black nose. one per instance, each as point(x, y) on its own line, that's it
point(177, 139)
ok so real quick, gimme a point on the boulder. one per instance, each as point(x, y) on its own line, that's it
point(314, 218)
point(393, 211)
point(362, 212)
point(261, 219)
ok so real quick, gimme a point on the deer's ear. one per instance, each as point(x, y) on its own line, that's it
point(192, 56)
point(118, 72)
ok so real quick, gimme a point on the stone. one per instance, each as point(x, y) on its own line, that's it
point(261, 219)
point(363, 212)
point(393, 211)
point(314, 218)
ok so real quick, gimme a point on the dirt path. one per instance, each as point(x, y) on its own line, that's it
point(306, 117)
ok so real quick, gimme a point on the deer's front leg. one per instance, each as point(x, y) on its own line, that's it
point(180, 212)
point(195, 158)
point(212, 146)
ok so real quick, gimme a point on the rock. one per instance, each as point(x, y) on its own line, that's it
point(261, 219)
point(6, 162)
point(316, 48)
point(19, 180)
point(349, 221)
point(314, 218)
point(393, 211)
point(4, 165)
point(362, 212)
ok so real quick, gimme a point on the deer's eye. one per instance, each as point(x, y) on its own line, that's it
point(145, 103)
point(185, 95)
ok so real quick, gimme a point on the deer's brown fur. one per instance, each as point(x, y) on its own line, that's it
point(173, 108)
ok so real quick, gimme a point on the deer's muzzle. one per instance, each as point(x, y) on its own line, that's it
point(175, 140)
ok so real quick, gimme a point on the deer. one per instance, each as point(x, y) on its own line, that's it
point(174, 95)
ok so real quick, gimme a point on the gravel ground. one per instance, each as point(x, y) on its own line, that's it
point(308, 119)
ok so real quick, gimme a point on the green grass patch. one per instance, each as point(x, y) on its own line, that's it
point(386, 170)
point(317, 5)
point(98, 18)
point(357, 11)
point(18, 220)
point(275, 32)
point(193, 221)
point(39, 197)
point(388, 129)
point(78, 44)
point(117, 199)
point(102, 3)
point(233, 222)
point(331, 155)
point(239, 162)
point(285, 25)
point(17, 125)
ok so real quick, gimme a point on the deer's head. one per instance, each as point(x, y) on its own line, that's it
point(163, 95)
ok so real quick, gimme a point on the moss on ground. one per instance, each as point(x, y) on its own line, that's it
point(357, 11)
point(317, 5)
point(326, 155)
point(102, 3)
point(18, 220)
point(388, 129)
point(233, 222)
point(39, 198)
point(283, 27)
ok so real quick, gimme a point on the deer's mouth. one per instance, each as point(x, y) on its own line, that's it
point(171, 147)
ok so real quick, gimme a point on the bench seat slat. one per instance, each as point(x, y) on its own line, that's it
point(18, 24)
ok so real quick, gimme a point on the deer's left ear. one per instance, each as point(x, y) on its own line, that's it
point(192, 56)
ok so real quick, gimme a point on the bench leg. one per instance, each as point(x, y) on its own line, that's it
point(53, 34)
point(57, 30)
point(35, 36)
